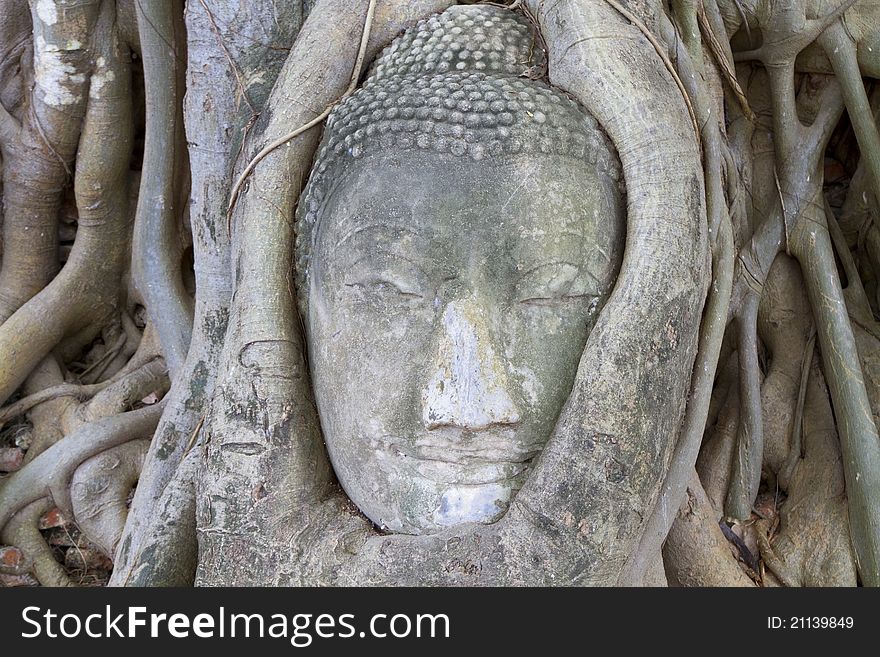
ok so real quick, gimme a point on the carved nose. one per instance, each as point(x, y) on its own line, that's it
point(469, 388)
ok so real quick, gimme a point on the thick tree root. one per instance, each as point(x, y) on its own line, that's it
point(157, 243)
point(696, 553)
point(86, 292)
point(22, 531)
point(99, 491)
point(50, 473)
point(39, 150)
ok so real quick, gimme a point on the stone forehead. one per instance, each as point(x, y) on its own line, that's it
point(458, 83)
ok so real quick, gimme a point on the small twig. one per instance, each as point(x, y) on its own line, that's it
point(78, 549)
point(192, 439)
point(796, 450)
point(513, 6)
point(798, 429)
point(744, 552)
point(772, 560)
point(537, 39)
point(632, 18)
point(784, 211)
point(105, 360)
point(359, 62)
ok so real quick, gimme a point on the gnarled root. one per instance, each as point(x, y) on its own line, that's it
point(99, 492)
point(22, 531)
point(50, 473)
point(812, 546)
point(86, 292)
point(696, 553)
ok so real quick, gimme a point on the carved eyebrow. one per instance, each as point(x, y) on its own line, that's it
point(593, 249)
point(569, 233)
point(399, 256)
point(530, 243)
point(580, 269)
point(357, 230)
point(547, 264)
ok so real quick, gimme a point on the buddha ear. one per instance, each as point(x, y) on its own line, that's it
point(617, 433)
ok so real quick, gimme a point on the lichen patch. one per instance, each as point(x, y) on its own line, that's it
point(100, 79)
point(47, 11)
point(54, 75)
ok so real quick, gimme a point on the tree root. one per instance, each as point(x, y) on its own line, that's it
point(858, 433)
point(39, 155)
point(22, 531)
point(77, 391)
point(122, 395)
point(711, 331)
point(50, 473)
point(99, 490)
point(807, 238)
point(214, 145)
point(157, 242)
point(746, 475)
point(696, 553)
point(844, 59)
point(773, 561)
point(166, 553)
point(87, 289)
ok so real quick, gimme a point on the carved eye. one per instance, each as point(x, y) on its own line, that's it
point(555, 284)
point(382, 289)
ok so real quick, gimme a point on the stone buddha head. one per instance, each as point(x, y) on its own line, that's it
point(461, 230)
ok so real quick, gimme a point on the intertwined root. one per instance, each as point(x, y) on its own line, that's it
point(86, 372)
point(100, 147)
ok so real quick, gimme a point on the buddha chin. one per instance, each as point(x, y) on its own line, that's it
point(448, 289)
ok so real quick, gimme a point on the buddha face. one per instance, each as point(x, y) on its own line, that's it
point(449, 302)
